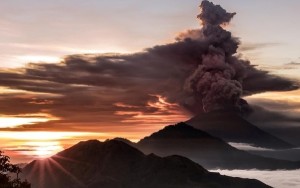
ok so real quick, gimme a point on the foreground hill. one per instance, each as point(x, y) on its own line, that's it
point(231, 127)
point(209, 151)
point(115, 164)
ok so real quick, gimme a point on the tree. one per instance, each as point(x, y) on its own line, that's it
point(6, 168)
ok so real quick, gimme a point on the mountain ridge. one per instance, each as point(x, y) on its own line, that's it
point(209, 151)
point(102, 164)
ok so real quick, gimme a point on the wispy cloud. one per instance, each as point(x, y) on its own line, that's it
point(247, 147)
point(246, 46)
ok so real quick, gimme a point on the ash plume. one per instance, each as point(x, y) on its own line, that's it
point(221, 78)
point(217, 81)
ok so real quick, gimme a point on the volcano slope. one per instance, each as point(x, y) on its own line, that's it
point(209, 151)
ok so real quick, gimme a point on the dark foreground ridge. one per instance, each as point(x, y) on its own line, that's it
point(231, 127)
point(115, 164)
point(209, 151)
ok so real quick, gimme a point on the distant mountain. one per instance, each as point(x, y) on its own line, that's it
point(231, 127)
point(115, 164)
point(209, 151)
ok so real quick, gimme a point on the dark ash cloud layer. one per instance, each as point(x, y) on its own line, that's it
point(279, 118)
point(293, 63)
point(199, 72)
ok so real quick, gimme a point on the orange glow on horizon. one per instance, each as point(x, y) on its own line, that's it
point(42, 149)
point(289, 96)
point(44, 135)
point(167, 113)
point(24, 146)
point(11, 122)
point(24, 119)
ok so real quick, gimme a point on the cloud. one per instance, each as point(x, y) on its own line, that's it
point(276, 179)
point(293, 64)
point(259, 81)
point(255, 46)
point(84, 90)
point(247, 147)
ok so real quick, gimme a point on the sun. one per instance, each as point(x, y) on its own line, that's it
point(44, 149)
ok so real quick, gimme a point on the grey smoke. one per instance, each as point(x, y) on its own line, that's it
point(217, 81)
point(214, 14)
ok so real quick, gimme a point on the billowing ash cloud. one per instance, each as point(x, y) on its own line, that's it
point(217, 82)
point(199, 72)
point(214, 14)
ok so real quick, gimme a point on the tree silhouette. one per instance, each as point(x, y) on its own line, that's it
point(6, 168)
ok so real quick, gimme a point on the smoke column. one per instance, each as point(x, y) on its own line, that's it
point(217, 81)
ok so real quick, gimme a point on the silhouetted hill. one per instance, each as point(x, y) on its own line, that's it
point(115, 164)
point(125, 140)
point(231, 127)
point(209, 151)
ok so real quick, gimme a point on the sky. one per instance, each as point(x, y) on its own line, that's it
point(40, 115)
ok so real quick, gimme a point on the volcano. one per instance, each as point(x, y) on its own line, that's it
point(232, 127)
point(207, 150)
point(115, 164)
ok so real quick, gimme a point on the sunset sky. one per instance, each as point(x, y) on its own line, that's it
point(50, 98)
